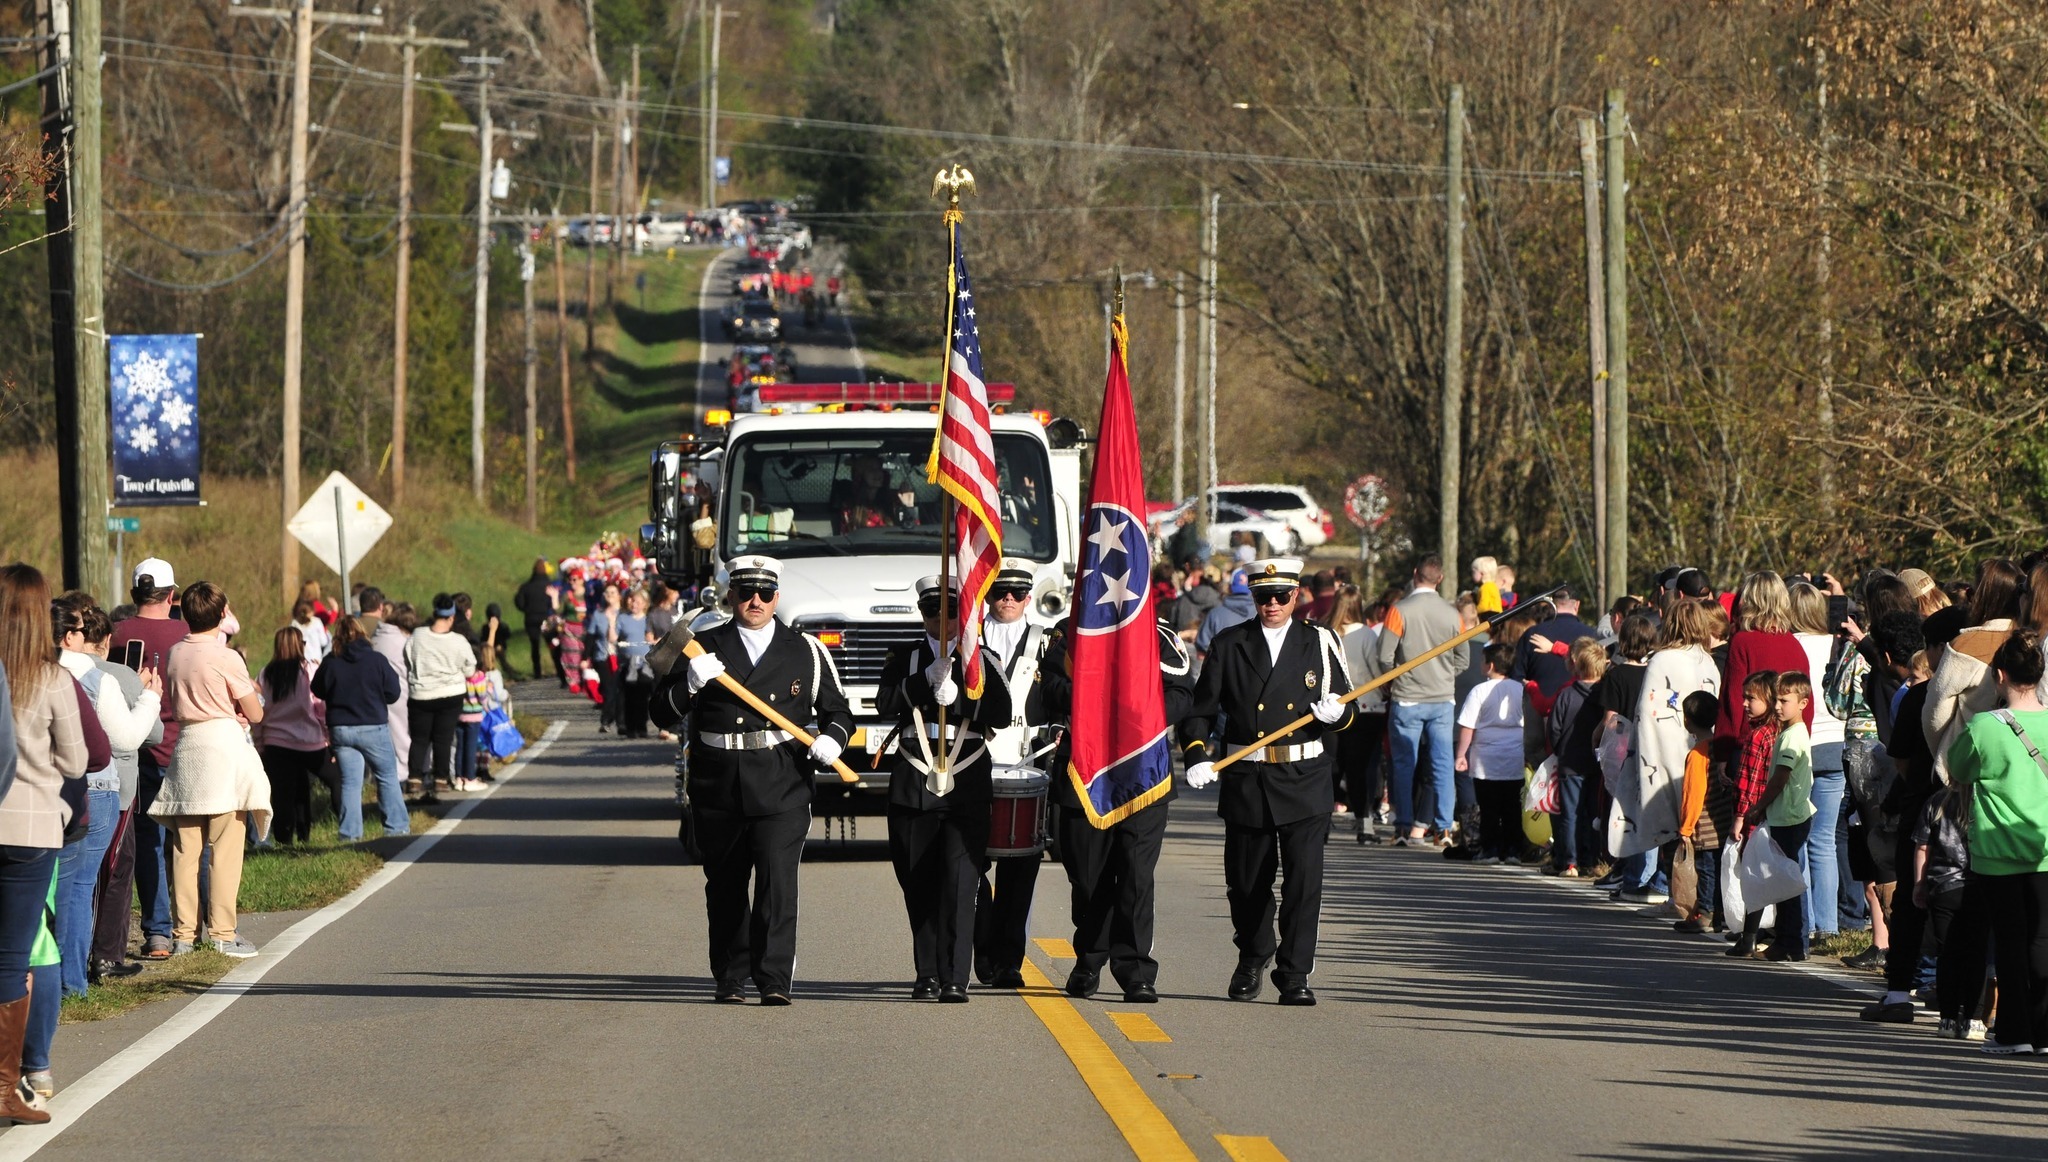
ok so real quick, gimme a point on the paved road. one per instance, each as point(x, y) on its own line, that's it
point(826, 353)
point(535, 987)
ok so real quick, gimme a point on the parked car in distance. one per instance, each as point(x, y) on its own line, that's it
point(1268, 534)
point(1286, 502)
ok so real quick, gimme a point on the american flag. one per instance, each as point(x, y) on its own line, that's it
point(963, 462)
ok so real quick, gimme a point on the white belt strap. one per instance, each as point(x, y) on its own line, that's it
point(749, 740)
point(1284, 753)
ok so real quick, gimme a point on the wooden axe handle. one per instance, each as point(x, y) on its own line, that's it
point(692, 649)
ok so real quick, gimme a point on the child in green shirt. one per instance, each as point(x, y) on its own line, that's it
point(1787, 808)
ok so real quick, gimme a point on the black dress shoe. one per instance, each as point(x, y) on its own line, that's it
point(730, 994)
point(925, 989)
point(1008, 979)
point(1245, 984)
point(775, 1000)
point(1300, 994)
point(953, 994)
point(1141, 993)
point(1082, 983)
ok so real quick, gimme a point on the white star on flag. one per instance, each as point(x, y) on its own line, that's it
point(1109, 536)
point(1116, 591)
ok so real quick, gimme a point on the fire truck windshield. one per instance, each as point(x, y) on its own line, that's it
point(847, 493)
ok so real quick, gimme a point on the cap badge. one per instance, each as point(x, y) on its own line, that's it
point(1271, 569)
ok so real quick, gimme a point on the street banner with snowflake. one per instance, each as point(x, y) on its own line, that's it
point(155, 411)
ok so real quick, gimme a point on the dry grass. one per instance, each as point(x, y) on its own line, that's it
point(180, 976)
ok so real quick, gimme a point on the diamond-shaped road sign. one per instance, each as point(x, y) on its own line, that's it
point(324, 529)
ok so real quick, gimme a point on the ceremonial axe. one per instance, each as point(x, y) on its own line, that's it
point(681, 643)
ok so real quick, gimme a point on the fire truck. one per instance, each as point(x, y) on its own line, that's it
point(830, 480)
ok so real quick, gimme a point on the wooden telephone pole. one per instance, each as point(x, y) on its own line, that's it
point(532, 359)
point(78, 356)
point(562, 353)
point(1451, 451)
point(590, 252)
point(409, 46)
point(487, 136)
point(303, 19)
point(1596, 347)
point(1617, 348)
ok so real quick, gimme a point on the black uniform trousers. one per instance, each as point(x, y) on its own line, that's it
point(757, 941)
point(938, 856)
point(1252, 855)
point(1002, 915)
point(1111, 872)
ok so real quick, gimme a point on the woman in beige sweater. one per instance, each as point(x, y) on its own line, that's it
point(49, 748)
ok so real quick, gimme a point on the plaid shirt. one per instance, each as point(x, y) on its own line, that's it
point(1755, 772)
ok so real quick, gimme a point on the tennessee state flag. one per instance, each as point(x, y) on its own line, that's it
point(1121, 757)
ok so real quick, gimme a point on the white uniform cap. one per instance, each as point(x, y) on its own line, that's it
point(1274, 573)
point(755, 571)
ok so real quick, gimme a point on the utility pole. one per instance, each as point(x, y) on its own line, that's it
point(487, 135)
point(1215, 212)
point(1617, 348)
point(562, 352)
point(1180, 381)
point(620, 136)
point(590, 253)
point(633, 192)
point(532, 390)
point(78, 355)
point(1824, 390)
point(703, 86)
point(303, 18)
point(409, 46)
point(1596, 349)
point(1451, 447)
point(711, 111)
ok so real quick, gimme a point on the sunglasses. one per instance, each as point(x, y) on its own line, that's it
point(1274, 597)
point(1009, 594)
point(932, 606)
point(743, 594)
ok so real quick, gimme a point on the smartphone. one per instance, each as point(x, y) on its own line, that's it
point(1838, 612)
point(131, 654)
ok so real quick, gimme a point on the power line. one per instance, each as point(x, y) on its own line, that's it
point(1414, 169)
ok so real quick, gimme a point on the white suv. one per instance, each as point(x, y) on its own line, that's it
point(1282, 502)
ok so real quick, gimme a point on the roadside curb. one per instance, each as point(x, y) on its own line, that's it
point(79, 1098)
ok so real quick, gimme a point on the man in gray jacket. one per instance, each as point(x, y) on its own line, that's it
point(1422, 715)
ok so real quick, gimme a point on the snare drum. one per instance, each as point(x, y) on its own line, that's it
point(1017, 816)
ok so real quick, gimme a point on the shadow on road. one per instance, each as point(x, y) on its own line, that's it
point(543, 986)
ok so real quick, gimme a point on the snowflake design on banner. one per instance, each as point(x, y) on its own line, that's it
point(154, 383)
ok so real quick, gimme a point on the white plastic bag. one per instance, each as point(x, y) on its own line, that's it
point(1729, 904)
point(1541, 793)
point(1613, 753)
point(1768, 874)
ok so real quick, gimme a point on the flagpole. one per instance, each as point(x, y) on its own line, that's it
point(951, 182)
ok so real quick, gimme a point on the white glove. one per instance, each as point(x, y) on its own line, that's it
point(704, 670)
point(938, 671)
point(945, 692)
point(825, 750)
point(1328, 710)
point(1201, 775)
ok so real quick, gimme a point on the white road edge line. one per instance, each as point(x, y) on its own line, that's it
point(73, 1103)
point(703, 338)
point(1841, 980)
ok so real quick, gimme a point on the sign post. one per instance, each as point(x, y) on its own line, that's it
point(1367, 505)
point(121, 526)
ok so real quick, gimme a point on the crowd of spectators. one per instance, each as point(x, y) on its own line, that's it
point(140, 759)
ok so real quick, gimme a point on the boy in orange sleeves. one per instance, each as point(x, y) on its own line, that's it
point(1696, 825)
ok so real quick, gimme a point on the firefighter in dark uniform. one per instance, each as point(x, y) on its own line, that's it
point(1275, 803)
point(1002, 914)
point(939, 794)
point(1110, 869)
point(750, 783)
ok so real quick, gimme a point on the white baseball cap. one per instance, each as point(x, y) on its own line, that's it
point(158, 571)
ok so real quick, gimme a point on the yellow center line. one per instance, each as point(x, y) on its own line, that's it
point(1056, 948)
point(1140, 1027)
point(1138, 1118)
point(1248, 1149)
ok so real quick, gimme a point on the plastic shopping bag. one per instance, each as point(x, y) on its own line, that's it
point(1729, 902)
point(1540, 795)
point(1613, 753)
point(1768, 875)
